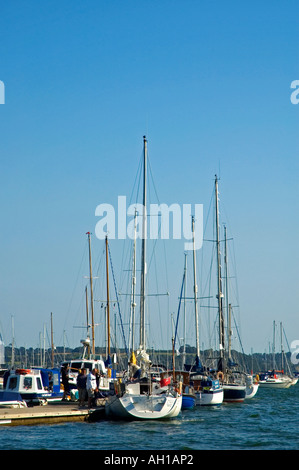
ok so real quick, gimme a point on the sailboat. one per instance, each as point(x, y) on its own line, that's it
point(188, 397)
point(251, 383)
point(233, 381)
point(88, 360)
point(277, 378)
point(206, 388)
point(141, 397)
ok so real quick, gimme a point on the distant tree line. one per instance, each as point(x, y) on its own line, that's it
point(28, 357)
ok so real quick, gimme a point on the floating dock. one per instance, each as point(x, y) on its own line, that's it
point(51, 414)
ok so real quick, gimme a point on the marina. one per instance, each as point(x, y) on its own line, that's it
point(149, 192)
point(141, 391)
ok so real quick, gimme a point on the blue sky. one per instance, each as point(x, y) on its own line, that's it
point(209, 85)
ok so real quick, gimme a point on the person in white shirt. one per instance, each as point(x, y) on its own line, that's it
point(91, 386)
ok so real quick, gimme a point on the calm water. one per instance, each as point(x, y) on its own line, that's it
point(267, 422)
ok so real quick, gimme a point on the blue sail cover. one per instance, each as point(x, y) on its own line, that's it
point(198, 364)
point(231, 363)
point(108, 361)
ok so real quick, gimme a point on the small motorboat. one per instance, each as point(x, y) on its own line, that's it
point(34, 386)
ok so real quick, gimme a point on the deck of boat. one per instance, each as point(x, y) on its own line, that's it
point(51, 414)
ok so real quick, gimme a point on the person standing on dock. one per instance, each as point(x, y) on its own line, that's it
point(65, 381)
point(81, 385)
point(91, 386)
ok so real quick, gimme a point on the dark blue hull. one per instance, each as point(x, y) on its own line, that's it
point(234, 393)
point(188, 402)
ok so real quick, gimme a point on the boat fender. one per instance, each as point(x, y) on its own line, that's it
point(178, 388)
point(220, 376)
point(257, 377)
point(23, 371)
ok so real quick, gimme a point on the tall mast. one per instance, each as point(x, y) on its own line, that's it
point(220, 294)
point(87, 321)
point(195, 293)
point(273, 349)
point(13, 343)
point(185, 290)
point(229, 322)
point(91, 296)
point(281, 346)
point(143, 252)
point(108, 302)
point(52, 342)
point(228, 311)
point(133, 303)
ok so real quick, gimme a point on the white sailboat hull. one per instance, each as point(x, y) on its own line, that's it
point(138, 406)
point(252, 386)
point(251, 390)
point(209, 398)
point(276, 383)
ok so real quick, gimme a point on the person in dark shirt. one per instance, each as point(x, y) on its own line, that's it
point(65, 381)
point(81, 385)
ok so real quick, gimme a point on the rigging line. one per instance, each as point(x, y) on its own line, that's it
point(137, 177)
point(154, 246)
point(164, 243)
point(159, 300)
point(236, 290)
point(153, 260)
point(152, 178)
point(241, 345)
point(76, 282)
point(205, 229)
point(122, 329)
point(208, 287)
point(177, 320)
point(137, 180)
point(285, 336)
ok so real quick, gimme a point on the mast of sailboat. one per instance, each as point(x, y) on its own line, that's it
point(13, 343)
point(195, 295)
point(226, 278)
point(91, 296)
point(185, 289)
point(229, 323)
point(173, 357)
point(143, 251)
point(281, 346)
point(133, 303)
point(108, 302)
point(228, 305)
point(52, 342)
point(87, 321)
point(219, 281)
point(273, 348)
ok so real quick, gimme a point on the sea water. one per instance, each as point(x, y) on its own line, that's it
point(269, 421)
